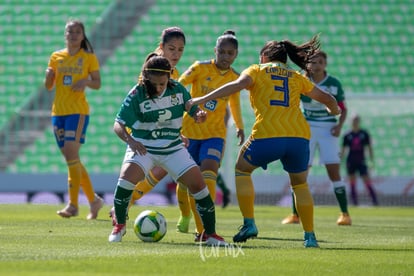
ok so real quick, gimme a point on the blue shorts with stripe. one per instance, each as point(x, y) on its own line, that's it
point(293, 152)
point(206, 149)
point(70, 128)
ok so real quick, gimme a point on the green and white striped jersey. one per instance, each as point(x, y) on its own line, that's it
point(157, 122)
point(315, 111)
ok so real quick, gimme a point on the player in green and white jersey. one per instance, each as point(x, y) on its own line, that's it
point(154, 110)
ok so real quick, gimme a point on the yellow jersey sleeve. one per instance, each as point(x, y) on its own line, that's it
point(68, 71)
point(275, 99)
point(204, 77)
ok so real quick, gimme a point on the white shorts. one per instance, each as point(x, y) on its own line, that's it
point(176, 164)
point(328, 145)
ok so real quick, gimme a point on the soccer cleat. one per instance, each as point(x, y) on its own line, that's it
point(344, 219)
point(113, 216)
point(214, 240)
point(183, 224)
point(117, 233)
point(200, 237)
point(69, 211)
point(310, 240)
point(246, 231)
point(96, 205)
point(226, 199)
point(291, 219)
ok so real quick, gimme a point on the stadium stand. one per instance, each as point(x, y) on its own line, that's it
point(369, 46)
point(31, 31)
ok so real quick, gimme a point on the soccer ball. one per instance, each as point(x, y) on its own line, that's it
point(150, 226)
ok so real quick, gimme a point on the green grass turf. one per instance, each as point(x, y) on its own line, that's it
point(35, 241)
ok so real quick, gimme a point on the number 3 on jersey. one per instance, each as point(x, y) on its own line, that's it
point(284, 88)
point(211, 105)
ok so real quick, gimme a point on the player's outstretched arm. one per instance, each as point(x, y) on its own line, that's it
point(229, 88)
point(327, 99)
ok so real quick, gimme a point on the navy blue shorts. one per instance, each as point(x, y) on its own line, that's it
point(352, 168)
point(292, 152)
point(70, 128)
point(206, 149)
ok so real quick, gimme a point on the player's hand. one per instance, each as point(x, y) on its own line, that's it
point(240, 135)
point(80, 85)
point(336, 111)
point(336, 131)
point(137, 147)
point(185, 140)
point(50, 73)
point(200, 116)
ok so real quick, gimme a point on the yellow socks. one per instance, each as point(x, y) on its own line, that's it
point(183, 198)
point(74, 179)
point(86, 184)
point(304, 205)
point(245, 193)
point(143, 187)
point(210, 178)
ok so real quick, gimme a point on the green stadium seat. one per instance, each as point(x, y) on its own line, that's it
point(363, 41)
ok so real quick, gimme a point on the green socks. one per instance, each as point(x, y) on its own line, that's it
point(206, 209)
point(123, 193)
point(340, 194)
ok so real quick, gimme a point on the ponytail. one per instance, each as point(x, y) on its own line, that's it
point(298, 54)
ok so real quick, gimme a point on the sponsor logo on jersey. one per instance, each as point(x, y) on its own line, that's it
point(174, 100)
point(67, 80)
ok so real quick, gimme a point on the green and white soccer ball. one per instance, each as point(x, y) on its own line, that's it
point(150, 226)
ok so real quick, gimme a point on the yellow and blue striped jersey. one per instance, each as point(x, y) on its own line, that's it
point(204, 77)
point(275, 99)
point(69, 70)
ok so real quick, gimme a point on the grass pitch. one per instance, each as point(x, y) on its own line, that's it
point(35, 241)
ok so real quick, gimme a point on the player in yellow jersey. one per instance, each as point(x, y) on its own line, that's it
point(171, 46)
point(207, 140)
point(71, 71)
point(280, 131)
point(325, 130)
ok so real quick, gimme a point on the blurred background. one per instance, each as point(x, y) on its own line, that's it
point(370, 50)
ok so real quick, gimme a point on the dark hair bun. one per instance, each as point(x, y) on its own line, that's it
point(229, 32)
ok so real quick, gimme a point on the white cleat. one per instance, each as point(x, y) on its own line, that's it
point(215, 240)
point(117, 233)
